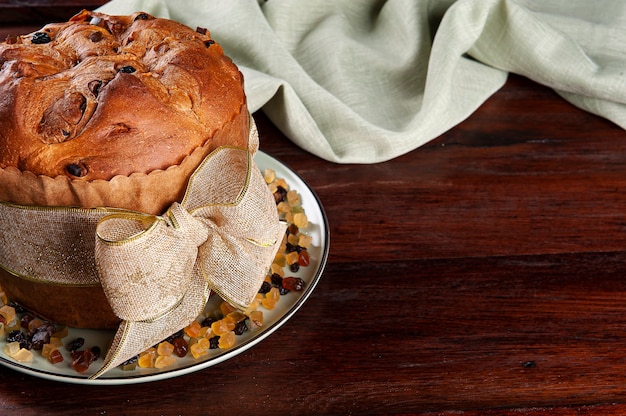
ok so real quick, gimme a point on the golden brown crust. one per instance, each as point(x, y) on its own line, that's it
point(119, 95)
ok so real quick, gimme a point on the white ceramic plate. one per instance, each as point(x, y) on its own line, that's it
point(286, 307)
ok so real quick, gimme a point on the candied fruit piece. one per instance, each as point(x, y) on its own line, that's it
point(23, 356)
point(293, 239)
point(83, 360)
point(11, 326)
point(55, 356)
point(57, 342)
point(269, 303)
point(204, 343)
point(300, 220)
point(292, 257)
point(256, 319)
point(274, 293)
point(146, 360)
point(293, 198)
point(282, 183)
point(304, 258)
point(222, 326)
point(226, 308)
point(193, 329)
point(304, 240)
point(8, 312)
point(33, 323)
point(198, 350)
point(11, 348)
point(276, 269)
point(165, 348)
point(269, 175)
point(3, 297)
point(164, 361)
point(47, 349)
point(283, 207)
point(205, 331)
point(293, 283)
point(236, 316)
point(1, 329)
point(96, 352)
point(129, 364)
point(227, 340)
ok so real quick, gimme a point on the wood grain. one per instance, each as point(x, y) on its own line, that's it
point(482, 274)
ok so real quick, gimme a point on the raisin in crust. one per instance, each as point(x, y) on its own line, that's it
point(101, 96)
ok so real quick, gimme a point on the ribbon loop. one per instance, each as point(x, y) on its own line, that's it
point(145, 265)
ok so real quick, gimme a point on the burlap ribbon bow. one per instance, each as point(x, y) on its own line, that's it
point(157, 271)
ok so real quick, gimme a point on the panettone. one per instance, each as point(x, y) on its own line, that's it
point(109, 111)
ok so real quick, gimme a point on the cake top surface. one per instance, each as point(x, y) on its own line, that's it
point(100, 96)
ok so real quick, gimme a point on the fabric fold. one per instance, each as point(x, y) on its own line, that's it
point(366, 81)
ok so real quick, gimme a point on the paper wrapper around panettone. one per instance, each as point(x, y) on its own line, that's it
point(220, 233)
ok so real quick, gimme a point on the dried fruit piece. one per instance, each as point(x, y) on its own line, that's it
point(147, 358)
point(23, 356)
point(47, 349)
point(164, 361)
point(165, 348)
point(293, 283)
point(55, 356)
point(83, 360)
point(256, 319)
point(76, 344)
point(11, 348)
point(193, 329)
point(269, 175)
point(8, 312)
point(292, 257)
point(181, 347)
point(227, 340)
point(222, 326)
point(129, 364)
point(198, 350)
point(300, 220)
point(39, 38)
point(304, 258)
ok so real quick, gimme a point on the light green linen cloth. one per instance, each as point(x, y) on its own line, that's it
point(363, 81)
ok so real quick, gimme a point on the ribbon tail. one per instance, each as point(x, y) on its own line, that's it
point(136, 336)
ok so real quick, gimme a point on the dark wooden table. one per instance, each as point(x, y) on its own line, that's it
point(482, 274)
